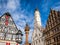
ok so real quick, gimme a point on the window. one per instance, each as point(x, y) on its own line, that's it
point(59, 19)
point(53, 15)
point(51, 19)
point(35, 35)
point(36, 42)
point(39, 34)
point(14, 36)
point(8, 36)
point(2, 35)
point(59, 37)
point(49, 23)
point(58, 14)
point(1, 27)
point(10, 30)
point(39, 41)
point(48, 42)
point(52, 25)
point(2, 20)
point(48, 33)
point(52, 40)
point(55, 39)
point(6, 29)
point(54, 30)
point(54, 19)
point(10, 22)
point(55, 23)
point(51, 32)
point(59, 27)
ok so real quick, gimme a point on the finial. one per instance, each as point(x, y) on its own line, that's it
point(26, 27)
point(26, 24)
point(36, 9)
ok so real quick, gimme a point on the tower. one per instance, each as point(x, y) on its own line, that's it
point(37, 33)
point(37, 21)
point(26, 33)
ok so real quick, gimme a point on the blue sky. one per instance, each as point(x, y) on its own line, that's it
point(22, 12)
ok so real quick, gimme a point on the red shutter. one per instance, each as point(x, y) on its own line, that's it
point(17, 44)
point(7, 43)
point(6, 22)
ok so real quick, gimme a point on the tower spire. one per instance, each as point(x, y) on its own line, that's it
point(37, 18)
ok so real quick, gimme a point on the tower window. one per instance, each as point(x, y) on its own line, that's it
point(39, 34)
point(39, 41)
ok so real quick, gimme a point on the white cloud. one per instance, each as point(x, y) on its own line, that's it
point(12, 4)
point(16, 16)
point(23, 16)
point(57, 8)
point(58, 3)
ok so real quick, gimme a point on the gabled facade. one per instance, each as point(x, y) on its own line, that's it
point(52, 30)
point(8, 30)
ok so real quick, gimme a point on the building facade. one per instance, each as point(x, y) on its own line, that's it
point(37, 36)
point(8, 30)
point(52, 30)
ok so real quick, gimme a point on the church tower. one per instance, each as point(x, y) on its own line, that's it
point(26, 33)
point(37, 33)
point(37, 20)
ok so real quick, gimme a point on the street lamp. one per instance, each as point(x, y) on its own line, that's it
point(19, 37)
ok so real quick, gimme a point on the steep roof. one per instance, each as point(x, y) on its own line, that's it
point(7, 13)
